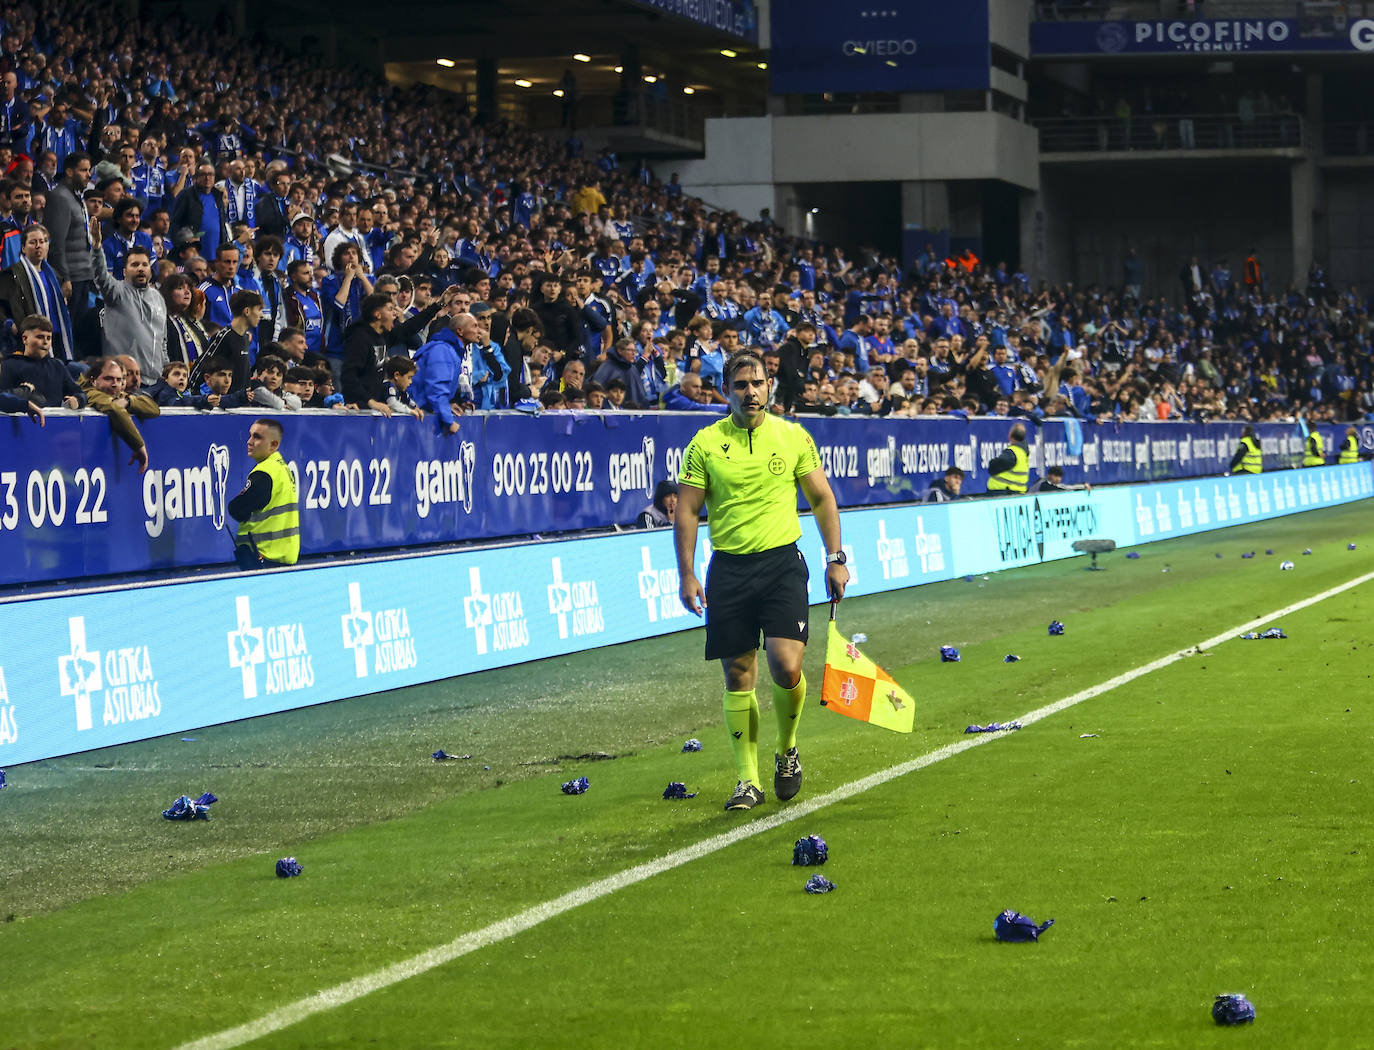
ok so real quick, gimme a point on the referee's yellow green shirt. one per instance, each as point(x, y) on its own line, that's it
point(750, 478)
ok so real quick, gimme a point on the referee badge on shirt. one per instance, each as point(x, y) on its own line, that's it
point(776, 466)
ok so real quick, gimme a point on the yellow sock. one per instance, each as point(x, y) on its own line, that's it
point(787, 706)
point(742, 723)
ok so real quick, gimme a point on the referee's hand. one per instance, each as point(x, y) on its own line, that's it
point(836, 579)
point(691, 595)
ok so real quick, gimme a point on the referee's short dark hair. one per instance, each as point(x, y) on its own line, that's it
point(740, 360)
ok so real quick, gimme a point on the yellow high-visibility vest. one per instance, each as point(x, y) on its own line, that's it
point(1015, 479)
point(1350, 450)
point(1253, 463)
point(1315, 455)
point(276, 529)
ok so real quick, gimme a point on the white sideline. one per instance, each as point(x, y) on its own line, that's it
point(347, 992)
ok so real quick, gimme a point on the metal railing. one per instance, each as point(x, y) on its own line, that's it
point(1169, 131)
point(1334, 12)
point(1349, 138)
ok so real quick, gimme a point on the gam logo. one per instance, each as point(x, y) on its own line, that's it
point(175, 494)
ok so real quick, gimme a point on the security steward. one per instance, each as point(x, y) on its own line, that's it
point(1350, 447)
point(1248, 458)
point(1314, 452)
point(745, 469)
point(267, 509)
point(1010, 469)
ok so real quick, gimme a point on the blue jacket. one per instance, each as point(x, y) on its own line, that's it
point(676, 401)
point(488, 386)
point(438, 365)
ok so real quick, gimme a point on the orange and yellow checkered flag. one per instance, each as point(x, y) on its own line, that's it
point(855, 686)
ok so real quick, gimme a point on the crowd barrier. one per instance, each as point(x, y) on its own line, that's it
point(129, 663)
point(71, 506)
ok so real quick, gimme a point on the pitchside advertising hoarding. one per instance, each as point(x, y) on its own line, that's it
point(111, 667)
point(1202, 36)
point(879, 45)
point(71, 506)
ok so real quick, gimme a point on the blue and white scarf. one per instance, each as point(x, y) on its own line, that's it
point(231, 202)
point(47, 289)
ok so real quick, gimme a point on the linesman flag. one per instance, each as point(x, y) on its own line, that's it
point(855, 686)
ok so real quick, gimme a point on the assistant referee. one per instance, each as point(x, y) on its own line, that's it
point(746, 469)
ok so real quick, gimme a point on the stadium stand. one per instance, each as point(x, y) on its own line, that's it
point(305, 162)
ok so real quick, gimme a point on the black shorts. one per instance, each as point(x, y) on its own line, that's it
point(749, 594)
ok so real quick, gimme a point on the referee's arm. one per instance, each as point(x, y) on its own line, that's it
point(822, 500)
point(690, 500)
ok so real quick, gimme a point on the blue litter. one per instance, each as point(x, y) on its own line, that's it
point(188, 740)
point(442, 756)
point(1249, 554)
point(2, 778)
point(1014, 927)
point(677, 789)
point(859, 638)
point(968, 579)
point(288, 868)
point(1350, 546)
point(1284, 566)
point(949, 654)
point(994, 727)
point(692, 745)
point(1269, 551)
point(186, 809)
point(1056, 627)
point(1218, 555)
point(576, 787)
point(819, 884)
point(1308, 551)
point(1133, 555)
point(1233, 1009)
point(810, 851)
point(1010, 658)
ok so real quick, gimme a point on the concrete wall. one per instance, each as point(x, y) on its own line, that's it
point(1009, 25)
point(897, 147)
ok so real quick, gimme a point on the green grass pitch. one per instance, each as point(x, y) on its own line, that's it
point(1204, 828)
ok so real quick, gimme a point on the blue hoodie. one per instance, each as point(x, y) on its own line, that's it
point(438, 364)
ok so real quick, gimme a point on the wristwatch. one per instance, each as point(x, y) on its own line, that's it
point(838, 558)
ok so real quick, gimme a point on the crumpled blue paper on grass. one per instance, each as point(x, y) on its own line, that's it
point(1233, 1009)
point(186, 809)
point(1284, 566)
point(1273, 632)
point(576, 787)
point(677, 789)
point(1133, 555)
point(810, 851)
point(2, 778)
point(1013, 927)
point(993, 727)
point(949, 654)
point(1010, 658)
point(692, 745)
point(818, 884)
point(288, 868)
point(1056, 628)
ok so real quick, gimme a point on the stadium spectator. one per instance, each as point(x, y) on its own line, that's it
point(232, 344)
point(659, 513)
point(105, 392)
point(202, 209)
point(945, 488)
point(32, 287)
point(134, 318)
point(365, 344)
point(185, 305)
point(400, 374)
point(171, 390)
point(34, 375)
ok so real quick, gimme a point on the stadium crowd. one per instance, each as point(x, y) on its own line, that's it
point(262, 230)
